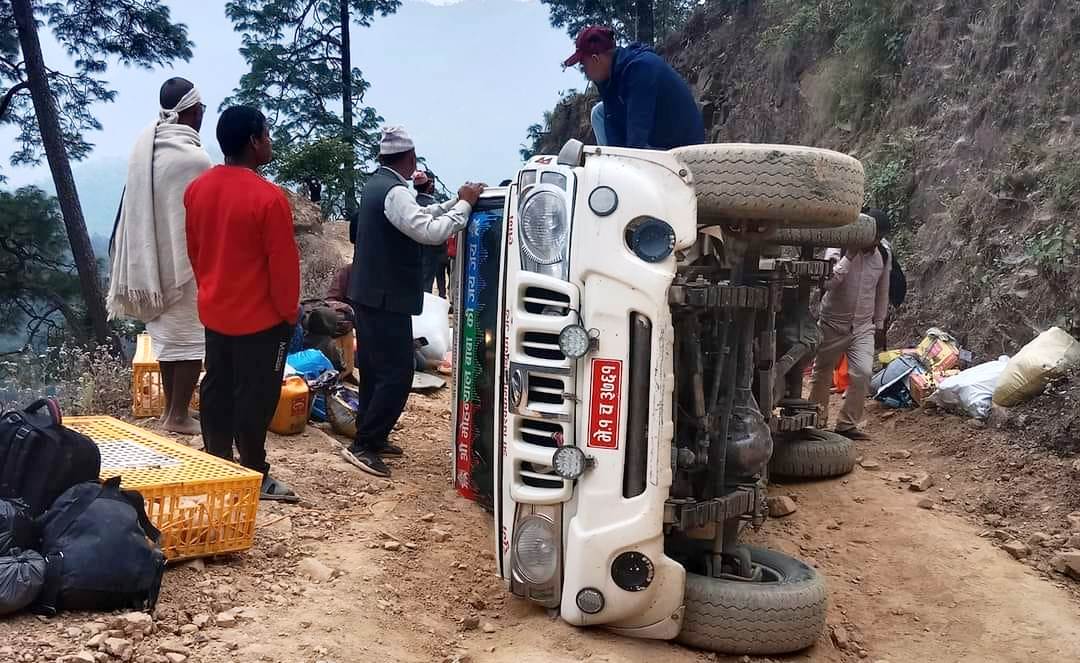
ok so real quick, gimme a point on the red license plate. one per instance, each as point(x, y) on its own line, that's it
point(604, 404)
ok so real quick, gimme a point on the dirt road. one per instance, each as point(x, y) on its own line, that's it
point(405, 573)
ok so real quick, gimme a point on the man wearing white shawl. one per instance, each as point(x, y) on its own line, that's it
point(151, 278)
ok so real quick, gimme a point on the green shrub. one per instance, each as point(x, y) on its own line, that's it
point(866, 38)
point(1053, 249)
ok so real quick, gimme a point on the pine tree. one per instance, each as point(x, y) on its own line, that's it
point(302, 75)
point(52, 121)
point(641, 20)
point(37, 280)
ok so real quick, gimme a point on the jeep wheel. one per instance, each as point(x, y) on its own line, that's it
point(812, 454)
point(795, 186)
point(854, 236)
point(783, 613)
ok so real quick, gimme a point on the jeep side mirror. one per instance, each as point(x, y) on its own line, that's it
point(572, 154)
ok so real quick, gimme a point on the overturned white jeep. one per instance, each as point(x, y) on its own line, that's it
point(631, 331)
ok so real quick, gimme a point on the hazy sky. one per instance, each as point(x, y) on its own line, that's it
point(465, 77)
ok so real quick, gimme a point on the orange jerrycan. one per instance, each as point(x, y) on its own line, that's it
point(291, 415)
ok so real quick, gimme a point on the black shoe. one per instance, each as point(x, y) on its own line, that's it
point(368, 461)
point(853, 434)
point(390, 450)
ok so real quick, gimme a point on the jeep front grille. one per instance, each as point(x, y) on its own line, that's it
point(542, 417)
point(543, 301)
point(541, 345)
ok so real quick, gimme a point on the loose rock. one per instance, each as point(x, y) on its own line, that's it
point(1037, 539)
point(922, 482)
point(1074, 521)
point(118, 647)
point(470, 623)
point(840, 638)
point(201, 620)
point(392, 546)
point(899, 454)
point(439, 535)
point(993, 520)
point(225, 619)
point(488, 627)
point(1067, 562)
point(1016, 549)
point(315, 569)
point(136, 622)
point(173, 647)
point(925, 503)
point(869, 464)
point(279, 549)
point(781, 505)
point(176, 658)
point(427, 517)
point(83, 656)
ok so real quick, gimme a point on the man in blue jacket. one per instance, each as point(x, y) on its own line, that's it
point(644, 102)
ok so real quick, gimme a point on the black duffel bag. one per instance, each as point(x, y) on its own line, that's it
point(102, 551)
point(22, 575)
point(17, 528)
point(40, 459)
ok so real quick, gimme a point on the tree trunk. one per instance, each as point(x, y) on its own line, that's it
point(646, 23)
point(52, 140)
point(347, 113)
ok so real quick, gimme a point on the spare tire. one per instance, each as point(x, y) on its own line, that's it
point(782, 614)
point(812, 454)
point(796, 186)
point(854, 236)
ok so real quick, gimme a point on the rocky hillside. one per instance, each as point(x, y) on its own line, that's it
point(966, 114)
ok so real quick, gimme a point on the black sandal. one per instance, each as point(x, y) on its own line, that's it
point(277, 491)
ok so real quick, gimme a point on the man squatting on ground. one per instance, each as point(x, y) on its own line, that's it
point(386, 289)
point(240, 241)
point(151, 278)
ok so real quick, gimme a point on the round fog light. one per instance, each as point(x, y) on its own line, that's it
point(574, 341)
point(569, 462)
point(590, 601)
point(632, 571)
point(603, 201)
point(536, 550)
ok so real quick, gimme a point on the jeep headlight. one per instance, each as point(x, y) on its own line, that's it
point(536, 549)
point(544, 230)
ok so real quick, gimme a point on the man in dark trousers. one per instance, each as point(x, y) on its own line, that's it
point(386, 288)
point(247, 267)
point(435, 258)
point(644, 103)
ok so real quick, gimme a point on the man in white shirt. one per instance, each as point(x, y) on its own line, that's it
point(852, 320)
point(386, 289)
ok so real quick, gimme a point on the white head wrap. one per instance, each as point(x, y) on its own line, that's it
point(189, 100)
point(395, 141)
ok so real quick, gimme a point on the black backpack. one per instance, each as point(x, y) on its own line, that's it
point(897, 280)
point(102, 551)
point(40, 459)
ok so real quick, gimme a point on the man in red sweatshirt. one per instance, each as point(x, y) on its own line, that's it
point(247, 267)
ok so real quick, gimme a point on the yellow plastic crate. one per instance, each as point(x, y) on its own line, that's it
point(147, 394)
point(202, 504)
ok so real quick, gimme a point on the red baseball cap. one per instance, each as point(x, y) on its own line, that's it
point(593, 40)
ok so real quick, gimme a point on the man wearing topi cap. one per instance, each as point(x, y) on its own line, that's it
point(386, 287)
point(644, 103)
